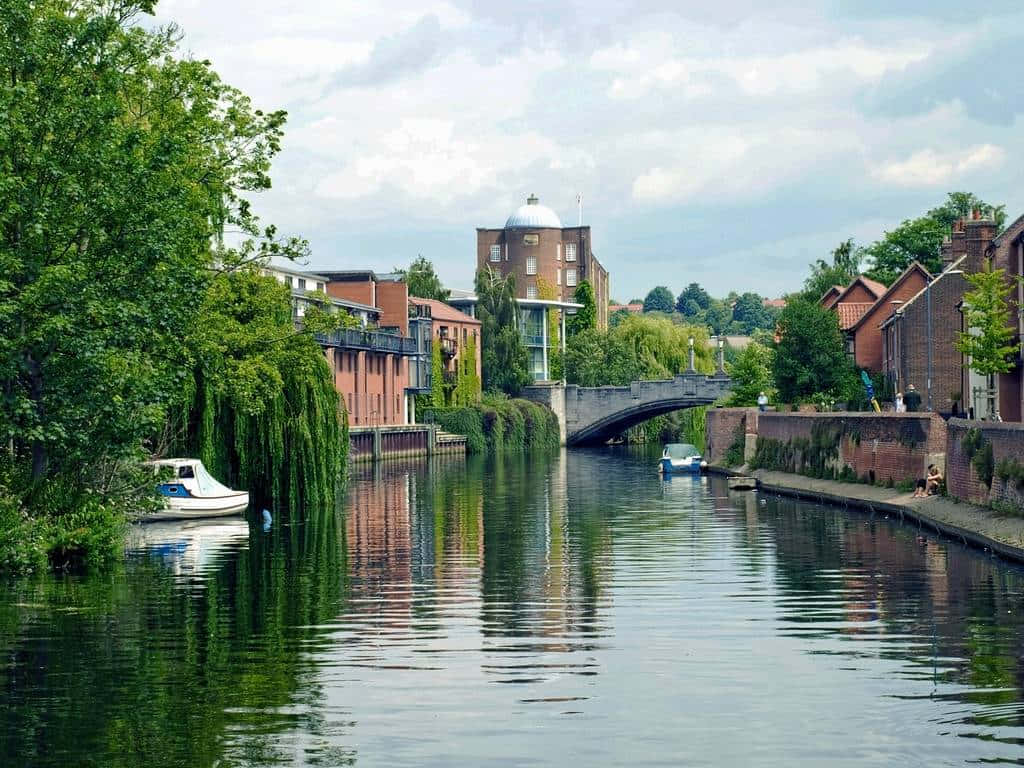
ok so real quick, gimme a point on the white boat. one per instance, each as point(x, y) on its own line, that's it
point(680, 457)
point(192, 492)
point(188, 547)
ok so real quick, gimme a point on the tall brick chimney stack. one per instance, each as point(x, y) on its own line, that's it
point(979, 233)
point(957, 241)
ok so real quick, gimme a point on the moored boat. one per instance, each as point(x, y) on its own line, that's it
point(681, 457)
point(192, 492)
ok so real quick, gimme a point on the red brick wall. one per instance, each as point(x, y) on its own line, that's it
point(721, 428)
point(361, 292)
point(884, 446)
point(393, 301)
point(859, 294)
point(372, 386)
point(961, 478)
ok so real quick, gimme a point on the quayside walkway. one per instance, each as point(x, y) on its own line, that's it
point(971, 524)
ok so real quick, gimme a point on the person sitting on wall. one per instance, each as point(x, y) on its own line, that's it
point(912, 399)
point(921, 490)
point(934, 480)
point(762, 402)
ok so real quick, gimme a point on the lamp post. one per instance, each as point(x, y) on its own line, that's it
point(691, 369)
point(721, 355)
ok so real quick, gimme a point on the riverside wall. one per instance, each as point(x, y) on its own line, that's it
point(963, 478)
point(883, 448)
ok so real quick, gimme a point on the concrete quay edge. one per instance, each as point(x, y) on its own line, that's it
point(845, 495)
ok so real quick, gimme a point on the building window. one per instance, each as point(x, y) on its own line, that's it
point(531, 239)
point(558, 276)
point(495, 253)
point(320, 287)
point(288, 280)
point(570, 277)
point(558, 252)
point(531, 291)
point(531, 265)
point(570, 251)
point(302, 284)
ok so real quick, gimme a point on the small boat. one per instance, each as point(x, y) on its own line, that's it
point(681, 457)
point(742, 483)
point(192, 492)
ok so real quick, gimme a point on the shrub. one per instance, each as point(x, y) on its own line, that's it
point(501, 424)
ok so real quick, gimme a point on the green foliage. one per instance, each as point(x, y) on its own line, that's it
point(979, 451)
point(813, 457)
point(467, 387)
point(422, 280)
point(987, 342)
point(641, 347)
point(734, 453)
point(121, 167)
point(585, 318)
point(262, 412)
point(842, 271)
point(659, 299)
point(437, 398)
point(692, 301)
point(750, 314)
point(751, 375)
point(810, 358)
point(505, 363)
point(500, 424)
point(960, 205)
point(1009, 470)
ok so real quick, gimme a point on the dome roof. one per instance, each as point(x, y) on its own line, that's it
point(533, 215)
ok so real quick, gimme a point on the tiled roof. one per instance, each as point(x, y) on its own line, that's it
point(852, 311)
point(874, 286)
point(914, 267)
point(441, 311)
point(627, 307)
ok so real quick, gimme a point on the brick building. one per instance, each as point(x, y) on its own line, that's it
point(455, 331)
point(864, 337)
point(534, 246)
point(935, 313)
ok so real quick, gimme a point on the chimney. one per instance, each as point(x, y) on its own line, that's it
point(957, 241)
point(532, 200)
point(946, 251)
point(978, 236)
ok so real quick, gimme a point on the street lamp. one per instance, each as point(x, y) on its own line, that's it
point(928, 301)
point(721, 355)
point(692, 369)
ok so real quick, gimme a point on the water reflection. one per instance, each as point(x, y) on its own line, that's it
point(523, 611)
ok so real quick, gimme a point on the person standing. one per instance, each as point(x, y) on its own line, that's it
point(901, 407)
point(912, 399)
point(762, 402)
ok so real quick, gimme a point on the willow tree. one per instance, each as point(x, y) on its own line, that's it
point(120, 167)
point(261, 409)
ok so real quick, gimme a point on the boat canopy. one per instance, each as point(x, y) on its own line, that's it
point(681, 450)
point(194, 469)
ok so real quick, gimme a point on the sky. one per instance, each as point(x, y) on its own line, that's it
point(728, 143)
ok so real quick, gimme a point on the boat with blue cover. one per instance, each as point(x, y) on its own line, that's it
point(193, 492)
point(678, 458)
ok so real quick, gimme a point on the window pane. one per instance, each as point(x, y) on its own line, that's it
point(495, 253)
point(531, 265)
point(531, 292)
point(570, 277)
point(570, 251)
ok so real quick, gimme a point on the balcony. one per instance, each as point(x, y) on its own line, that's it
point(448, 347)
point(372, 341)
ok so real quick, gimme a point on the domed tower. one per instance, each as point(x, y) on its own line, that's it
point(547, 259)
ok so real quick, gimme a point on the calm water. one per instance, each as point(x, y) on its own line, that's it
point(523, 613)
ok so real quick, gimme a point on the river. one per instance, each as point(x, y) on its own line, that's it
point(523, 612)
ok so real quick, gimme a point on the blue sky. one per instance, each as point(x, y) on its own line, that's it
point(728, 143)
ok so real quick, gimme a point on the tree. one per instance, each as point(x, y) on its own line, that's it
point(504, 360)
point(810, 358)
point(751, 374)
point(659, 300)
point(692, 300)
point(843, 270)
point(585, 317)
point(616, 317)
point(423, 281)
point(751, 313)
point(960, 205)
point(987, 342)
point(913, 240)
point(718, 316)
point(121, 166)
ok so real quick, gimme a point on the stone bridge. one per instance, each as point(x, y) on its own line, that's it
point(595, 414)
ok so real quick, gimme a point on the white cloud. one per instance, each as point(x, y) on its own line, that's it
point(929, 168)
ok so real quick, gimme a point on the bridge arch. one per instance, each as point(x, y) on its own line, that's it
point(605, 428)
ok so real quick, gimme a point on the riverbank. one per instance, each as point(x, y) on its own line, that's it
point(979, 526)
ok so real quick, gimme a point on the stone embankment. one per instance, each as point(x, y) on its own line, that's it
point(868, 460)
